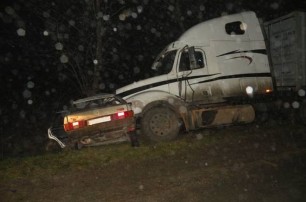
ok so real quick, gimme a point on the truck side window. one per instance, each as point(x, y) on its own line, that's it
point(235, 28)
point(185, 63)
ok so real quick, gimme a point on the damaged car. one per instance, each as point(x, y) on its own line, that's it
point(96, 120)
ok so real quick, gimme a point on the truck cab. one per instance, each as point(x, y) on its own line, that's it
point(212, 62)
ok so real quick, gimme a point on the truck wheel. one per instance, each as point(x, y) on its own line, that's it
point(261, 112)
point(303, 113)
point(160, 124)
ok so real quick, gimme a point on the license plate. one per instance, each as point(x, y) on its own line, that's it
point(99, 120)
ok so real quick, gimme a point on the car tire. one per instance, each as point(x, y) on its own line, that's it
point(78, 145)
point(52, 146)
point(160, 124)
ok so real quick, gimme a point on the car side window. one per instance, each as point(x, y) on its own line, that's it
point(184, 64)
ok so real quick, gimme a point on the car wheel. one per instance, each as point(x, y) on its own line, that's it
point(78, 145)
point(52, 146)
point(160, 124)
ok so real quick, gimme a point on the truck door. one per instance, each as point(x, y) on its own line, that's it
point(190, 79)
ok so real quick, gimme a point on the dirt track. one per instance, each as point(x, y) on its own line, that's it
point(241, 163)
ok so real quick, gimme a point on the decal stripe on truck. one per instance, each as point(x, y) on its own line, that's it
point(152, 85)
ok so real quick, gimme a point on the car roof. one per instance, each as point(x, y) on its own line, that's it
point(95, 97)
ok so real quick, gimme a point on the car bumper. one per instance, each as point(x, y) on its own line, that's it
point(106, 133)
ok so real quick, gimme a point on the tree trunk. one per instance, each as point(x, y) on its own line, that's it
point(98, 65)
point(178, 15)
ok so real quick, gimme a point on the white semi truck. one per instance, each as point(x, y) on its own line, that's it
point(219, 71)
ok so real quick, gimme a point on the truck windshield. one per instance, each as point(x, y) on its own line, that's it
point(164, 63)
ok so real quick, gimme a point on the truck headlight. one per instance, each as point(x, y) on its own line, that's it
point(249, 90)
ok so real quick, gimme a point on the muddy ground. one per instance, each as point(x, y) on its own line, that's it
point(239, 163)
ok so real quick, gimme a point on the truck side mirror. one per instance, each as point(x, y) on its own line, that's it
point(191, 53)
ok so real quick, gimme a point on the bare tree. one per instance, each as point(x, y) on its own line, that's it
point(99, 34)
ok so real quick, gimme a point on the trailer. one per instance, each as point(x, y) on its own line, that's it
point(286, 44)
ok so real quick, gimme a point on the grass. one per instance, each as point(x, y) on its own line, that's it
point(97, 157)
point(70, 160)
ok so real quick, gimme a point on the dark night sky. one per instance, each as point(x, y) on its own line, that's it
point(37, 37)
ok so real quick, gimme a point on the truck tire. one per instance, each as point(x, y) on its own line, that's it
point(302, 113)
point(160, 124)
point(261, 112)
